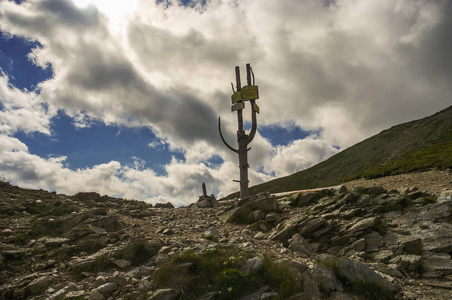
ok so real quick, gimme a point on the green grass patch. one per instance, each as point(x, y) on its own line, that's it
point(138, 252)
point(438, 156)
point(195, 274)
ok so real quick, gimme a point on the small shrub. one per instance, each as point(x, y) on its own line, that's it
point(138, 252)
point(324, 291)
point(20, 239)
point(371, 290)
point(427, 200)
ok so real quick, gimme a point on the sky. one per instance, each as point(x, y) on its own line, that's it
point(122, 97)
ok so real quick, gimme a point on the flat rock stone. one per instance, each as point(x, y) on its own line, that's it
point(108, 288)
point(363, 224)
point(38, 285)
point(353, 270)
point(437, 265)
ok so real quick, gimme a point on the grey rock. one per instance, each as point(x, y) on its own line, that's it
point(118, 279)
point(311, 225)
point(390, 270)
point(445, 197)
point(437, 265)
point(363, 224)
point(162, 259)
point(140, 272)
point(164, 294)
point(383, 255)
point(310, 288)
point(58, 295)
point(212, 231)
point(164, 205)
point(96, 295)
point(145, 284)
point(100, 280)
point(56, 242)
point(413, 246)
point(324, 275)
point(209, 296)
point(122, 263)
point(75, 295)
point(304, 199)
point(260, 236)
point(373, 241)
point(353, 270)
point(38, 285)
point(272, 217)
point(269, 296)
point(253, 265)
point(107, 288)
point(299, 244)
point(432, 212)
point(359, 245)
point(409, 263)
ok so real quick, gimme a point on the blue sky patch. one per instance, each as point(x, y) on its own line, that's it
point(15, 63)
point(98, 144)
point(283, 136)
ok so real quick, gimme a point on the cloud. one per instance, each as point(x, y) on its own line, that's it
point(22, 110)
point(350, 69)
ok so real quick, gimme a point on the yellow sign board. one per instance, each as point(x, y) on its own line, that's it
point(236, 97)
point(256, 108)
point(250, 92)
point(237, 106)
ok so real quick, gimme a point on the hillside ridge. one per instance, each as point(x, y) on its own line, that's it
point(379, 149)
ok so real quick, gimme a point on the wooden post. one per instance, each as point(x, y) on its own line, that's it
point(242, 138)
point(204, 190)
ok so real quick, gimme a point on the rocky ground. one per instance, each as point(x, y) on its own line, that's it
point(344, 243)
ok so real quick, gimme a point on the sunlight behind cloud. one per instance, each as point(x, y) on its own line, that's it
point(117, 12)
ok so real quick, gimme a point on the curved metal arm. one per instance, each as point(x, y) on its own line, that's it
point(253, 124)
point(222, 138)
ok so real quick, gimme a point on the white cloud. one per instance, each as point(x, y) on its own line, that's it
point(22, 110)
point(349, 68)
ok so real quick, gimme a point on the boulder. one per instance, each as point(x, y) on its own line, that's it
point(298, 244)
point(108, 288)
point(164, 205)
point(253, 265)
point(352, 271)
point(37, 286)
point(325, 277)
point(408, 263)
point(436, 265)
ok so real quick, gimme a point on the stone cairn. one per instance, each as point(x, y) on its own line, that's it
point(206, 201)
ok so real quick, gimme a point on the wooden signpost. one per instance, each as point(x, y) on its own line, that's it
point(250, 93)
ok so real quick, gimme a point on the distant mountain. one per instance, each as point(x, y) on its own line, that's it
point(417, 145)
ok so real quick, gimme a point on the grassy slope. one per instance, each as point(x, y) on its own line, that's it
point(404, 144)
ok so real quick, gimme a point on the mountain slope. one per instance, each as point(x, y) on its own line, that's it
point(404, 140)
